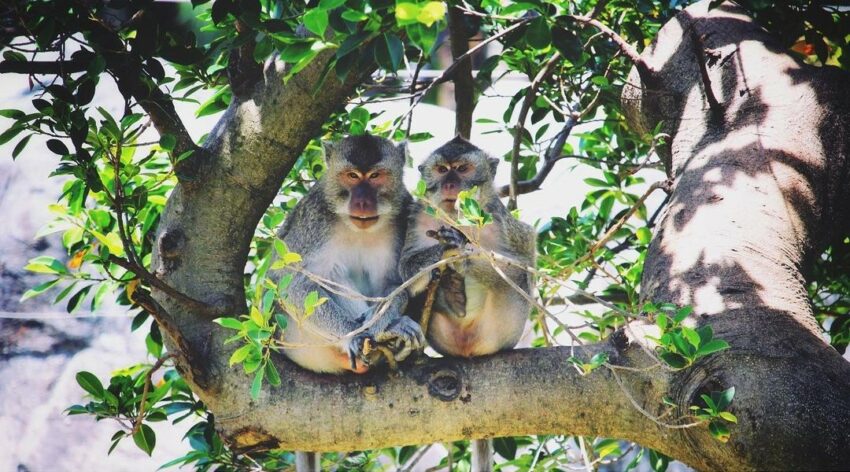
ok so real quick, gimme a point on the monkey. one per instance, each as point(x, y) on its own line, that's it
point(349, 228)
point(475, 311)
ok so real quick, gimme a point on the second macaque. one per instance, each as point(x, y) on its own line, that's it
point(475, 310)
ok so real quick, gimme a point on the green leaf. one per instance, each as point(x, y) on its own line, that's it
point(90, 383)
point(691, 336)
point(263, 49)
point(57, 147)
point(406, 13)
point(257, 317)
point(257, 384)
point(46, 265)
point(10, 133)
point(13, 114)
point(38, 289)
point(281, 320)
point(20, 146)
point(431, 13)
point(662, 321)
point(719, 431)
point(538, 34)
point(711, 347)
point(167, 142)
point(231, 323)
point(683, 313)
point(644, 235)
point(674, 360)
point(145, 439)
point(596, 182)
point(330, 4)
point(728, 416)
point(272, 374)
point(316, 20)
point(724, 399)
point(241, 354)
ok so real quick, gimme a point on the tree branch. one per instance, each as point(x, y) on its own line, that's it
point(530, 94)
point(43, 67)
point(450, 70)
point(464, 85)
point(699, 51)
point(165, 119)
point(449, 399)
point(647, 74)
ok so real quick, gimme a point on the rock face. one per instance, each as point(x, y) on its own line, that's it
point(42, 348)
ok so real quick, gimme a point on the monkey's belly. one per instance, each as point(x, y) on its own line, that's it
point(462, 338)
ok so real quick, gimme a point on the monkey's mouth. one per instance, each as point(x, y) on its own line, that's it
point(364, 222)
point(449, 201)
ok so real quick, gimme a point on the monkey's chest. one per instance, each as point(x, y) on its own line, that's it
point(358, 264)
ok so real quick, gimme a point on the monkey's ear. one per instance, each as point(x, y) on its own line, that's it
point(421, 168)
point(494, 163)
point(328, 147)
point(402, 150)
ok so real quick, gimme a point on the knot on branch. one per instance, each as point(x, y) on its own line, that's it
point(170, 244)
point(447, 384)
point(251, 440)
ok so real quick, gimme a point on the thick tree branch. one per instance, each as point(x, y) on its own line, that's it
point(165, 119)
point(744, 219)
point(464, 85)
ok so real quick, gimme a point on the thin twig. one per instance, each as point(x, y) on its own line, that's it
point(446, 73)
point(699, 51)
point(519, 127)
point(137, 423)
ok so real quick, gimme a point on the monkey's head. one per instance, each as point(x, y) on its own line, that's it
point(455, 166)
point(363, 182)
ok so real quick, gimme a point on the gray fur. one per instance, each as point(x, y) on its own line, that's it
point(505, 319)
point(314, 228)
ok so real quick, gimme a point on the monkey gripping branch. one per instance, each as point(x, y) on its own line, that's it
point(760, 181)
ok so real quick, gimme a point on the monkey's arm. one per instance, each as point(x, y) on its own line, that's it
point(518, 242)
point(419, 251)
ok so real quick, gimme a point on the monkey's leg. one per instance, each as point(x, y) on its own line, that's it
point(482, 455)
point(307, 461)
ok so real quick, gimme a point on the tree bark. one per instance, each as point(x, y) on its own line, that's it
point(757, 193)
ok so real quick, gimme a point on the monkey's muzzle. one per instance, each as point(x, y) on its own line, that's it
point(364, 222)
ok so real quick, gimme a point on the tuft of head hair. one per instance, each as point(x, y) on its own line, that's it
point(455, 148)
point(364, 152)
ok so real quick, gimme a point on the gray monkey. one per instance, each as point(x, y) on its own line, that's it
point(475, 311)
point(350, 229)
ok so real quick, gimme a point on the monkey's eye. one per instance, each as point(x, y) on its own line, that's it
point(374, 175)
point(462, 168)
point(442, 169)
point(353, 175)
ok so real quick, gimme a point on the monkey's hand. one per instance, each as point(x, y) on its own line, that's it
point(402, 336)
point(449, 237)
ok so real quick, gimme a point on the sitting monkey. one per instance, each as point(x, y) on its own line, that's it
point(349, 229)
point(475, 311)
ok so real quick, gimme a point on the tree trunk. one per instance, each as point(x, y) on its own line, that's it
point(758, 189)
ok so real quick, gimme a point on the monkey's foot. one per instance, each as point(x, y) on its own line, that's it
point(403, 336)
point(359, 351)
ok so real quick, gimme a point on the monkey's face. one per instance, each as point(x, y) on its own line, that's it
point(364, 182)
point(457, 165)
